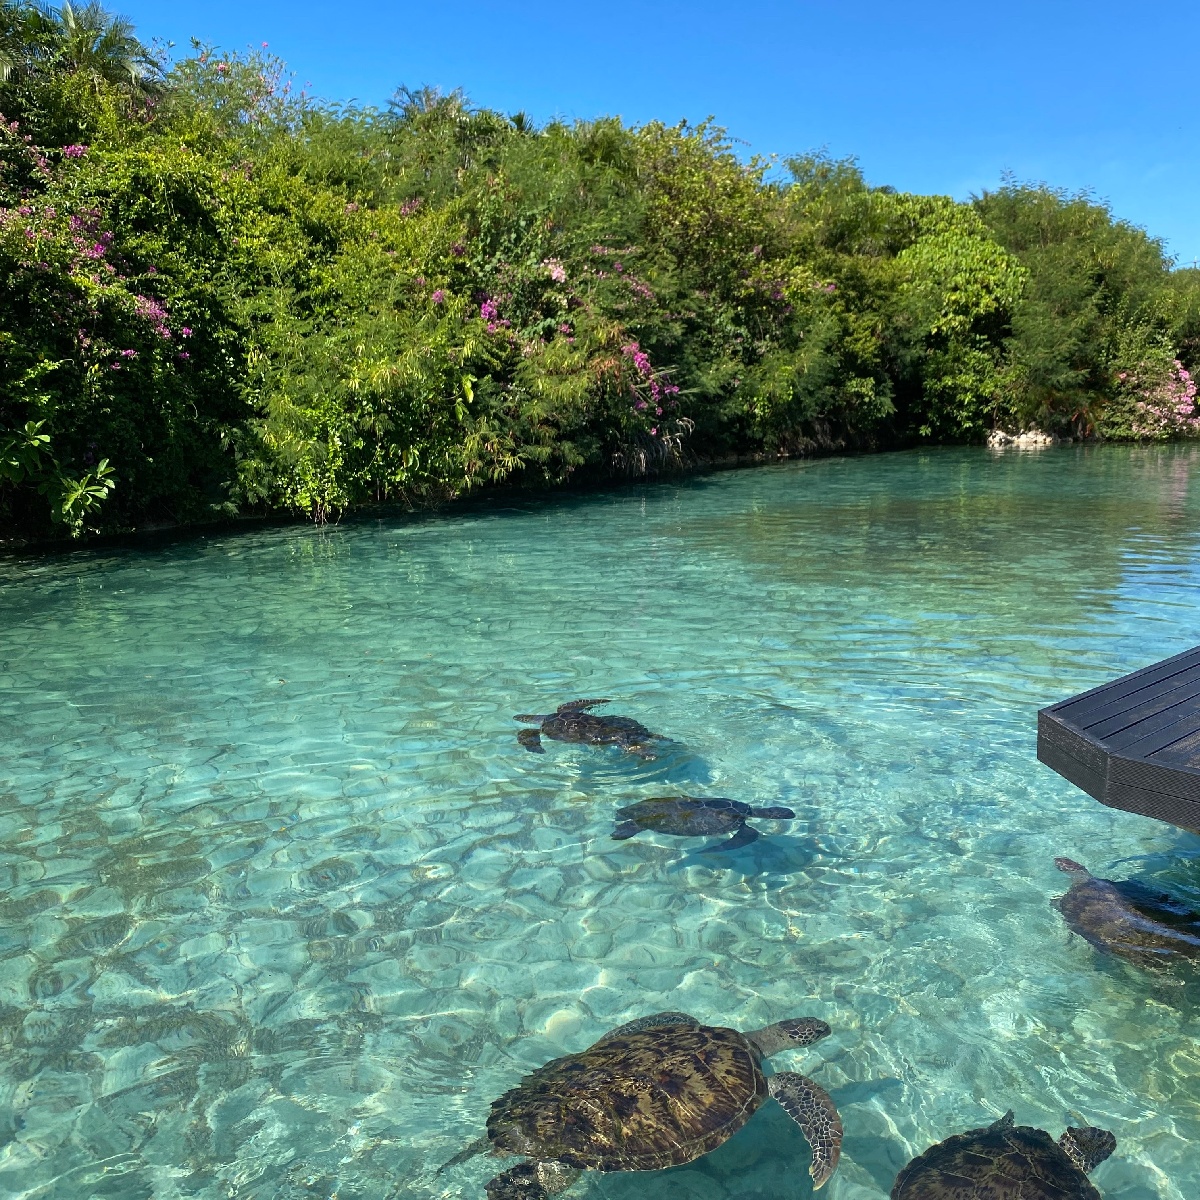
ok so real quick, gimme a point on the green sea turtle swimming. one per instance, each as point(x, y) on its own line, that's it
point(655, 1093)
point(692, 816)
point(1128, 919)
point(1006, 1161)
point(572, 722)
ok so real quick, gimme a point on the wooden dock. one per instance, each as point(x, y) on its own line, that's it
point(1133, 743)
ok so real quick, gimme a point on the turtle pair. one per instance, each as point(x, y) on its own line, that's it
point(666, 1089)
point(680, 816)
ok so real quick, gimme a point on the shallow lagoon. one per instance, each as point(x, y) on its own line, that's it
point(285, 906)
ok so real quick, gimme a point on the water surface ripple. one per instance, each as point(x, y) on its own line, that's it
point(284, 905)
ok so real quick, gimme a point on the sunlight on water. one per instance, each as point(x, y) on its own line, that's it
point(285, 905)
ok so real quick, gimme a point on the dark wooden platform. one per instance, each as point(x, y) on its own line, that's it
point(1133, 743)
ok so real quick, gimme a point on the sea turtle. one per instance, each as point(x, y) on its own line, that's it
point(655, 1093)
point(1006, 1161)
point(572, 722)
point(1127, 918)
point(691, 816)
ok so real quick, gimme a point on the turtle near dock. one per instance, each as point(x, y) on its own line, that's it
point(1006, 1161)
point(656, 1093)
point(1128, 919)
point(693, 816)
point(573, 722)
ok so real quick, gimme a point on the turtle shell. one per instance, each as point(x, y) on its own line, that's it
point(639, 1101)
point(1013, 1162)
point(587, 727)
point(1132, 921)
point(686, 815)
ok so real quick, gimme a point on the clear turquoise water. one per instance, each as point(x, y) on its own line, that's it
point(284, 905)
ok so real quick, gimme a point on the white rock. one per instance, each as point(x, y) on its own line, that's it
point(1031, 437)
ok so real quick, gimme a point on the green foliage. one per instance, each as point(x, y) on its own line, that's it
point(218, 296)
point(1095, 285)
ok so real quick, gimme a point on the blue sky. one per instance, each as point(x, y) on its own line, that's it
point(930, 97)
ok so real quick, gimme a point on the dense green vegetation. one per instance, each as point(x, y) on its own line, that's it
point(218, 296)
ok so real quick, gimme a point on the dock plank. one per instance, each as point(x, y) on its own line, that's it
point(1079, 706)
point(1133, 743)
point(1110, 717)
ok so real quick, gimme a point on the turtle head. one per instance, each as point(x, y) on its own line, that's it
point(1071, 866)
point(773, 814)
point(788, 1035)
point(1087, 1148)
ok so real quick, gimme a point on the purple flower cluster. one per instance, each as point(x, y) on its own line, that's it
point(647, 375)
point(1167, 408)
point(410, 206)
point(75, 150)
point(153, 312)
point(9, 131)
point(557, 271)
point(639, 358)
point(438, 296)
point(490, 312)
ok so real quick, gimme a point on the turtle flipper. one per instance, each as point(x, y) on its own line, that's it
point(813, 1109)
point(743, 837)
point(481, 1145)
point(531, 739)
point(626, 829)
point(531, 1181)
point(580, 705)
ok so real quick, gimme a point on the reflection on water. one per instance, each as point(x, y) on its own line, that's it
point(285, 905)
